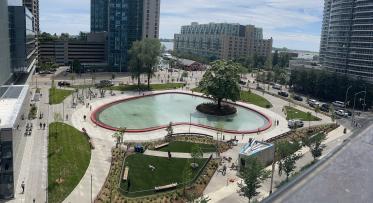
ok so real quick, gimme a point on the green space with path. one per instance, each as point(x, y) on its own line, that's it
point(293, 113)
point(255, 99)
point(249, 97)
point(56, 95)
point(186, 147)
point(167, 171)
point(69, 154)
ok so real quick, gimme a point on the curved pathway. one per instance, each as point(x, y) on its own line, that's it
point(176, 154)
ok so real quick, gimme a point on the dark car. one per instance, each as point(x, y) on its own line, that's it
point(325, 108)
point(284, 94)
point(64, 84)
point(298, 98)
point(242, 82)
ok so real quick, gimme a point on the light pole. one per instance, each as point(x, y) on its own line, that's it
point(346, 96)
point(190, 121)
point(353, 110)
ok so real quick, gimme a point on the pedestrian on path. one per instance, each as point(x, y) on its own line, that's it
point(67, 117)
point(41, 126)
point(44, 126)
point(84, 117)
point(23, 187)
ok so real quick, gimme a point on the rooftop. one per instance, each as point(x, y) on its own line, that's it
point(254, 147)
point(11, 101)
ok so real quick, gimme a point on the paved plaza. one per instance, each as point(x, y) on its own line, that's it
point(220, 189)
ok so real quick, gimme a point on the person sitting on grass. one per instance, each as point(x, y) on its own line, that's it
point(152, 167)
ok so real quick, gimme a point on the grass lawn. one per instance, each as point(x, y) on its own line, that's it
point(56, 96)
point(167, 172)
point(186, 147)
point(167, 86)
point(69, 155)
point(293, 113)
point(255, 99)
point(249, 98)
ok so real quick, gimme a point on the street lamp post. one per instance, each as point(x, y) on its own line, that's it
point(346, 96)
point(353, 110)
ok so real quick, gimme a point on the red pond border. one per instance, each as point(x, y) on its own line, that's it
point(94, 117)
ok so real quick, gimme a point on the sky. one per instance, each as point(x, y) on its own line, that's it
point(295, 24)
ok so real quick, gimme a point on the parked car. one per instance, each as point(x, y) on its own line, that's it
point(325, 107)
point(295, 123)
point(284, 94)
point(339, 104)
point(341, 113)
point(277, 87)
point(298, 98)
point(313, 103)
point(63, 84)
point(242, 82)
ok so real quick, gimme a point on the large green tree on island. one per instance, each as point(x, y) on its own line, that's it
point(221, 81)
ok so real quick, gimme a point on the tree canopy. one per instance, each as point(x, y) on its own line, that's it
point(253, 175)
point(221, 81)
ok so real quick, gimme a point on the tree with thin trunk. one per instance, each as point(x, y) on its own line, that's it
point(314, 143)
point(221, 81)
point(136, 65)
point(309, 117)
point(196, 153)
point(253, 175)
point(150, 54)
point(119, 134)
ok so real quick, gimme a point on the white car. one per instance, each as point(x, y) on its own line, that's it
point(339, 104)
point(341, 113)
point(313, 103)
point(295, 123)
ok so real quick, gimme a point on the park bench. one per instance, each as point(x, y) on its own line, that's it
point(165, 187)
point(125, 173)
point(161, 145)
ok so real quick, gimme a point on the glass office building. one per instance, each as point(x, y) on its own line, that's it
point(347, 38)
point(4, 44)
point(23, 42)
point(125, 21)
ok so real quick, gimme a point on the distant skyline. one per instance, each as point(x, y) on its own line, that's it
point(292, 24)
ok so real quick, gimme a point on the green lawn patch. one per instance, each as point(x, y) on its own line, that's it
point(249, 97)
point(144, 87)
point(56, 96)
point(186, 147)
point(292, 113)
point(69, 154)
point(167, 171)
point(255, 99)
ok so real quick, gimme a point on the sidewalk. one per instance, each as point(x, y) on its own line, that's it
point(34, 162)
point(221, 190)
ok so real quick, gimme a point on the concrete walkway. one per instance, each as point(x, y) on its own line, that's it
point(176, 154)
point(33, 169)
point(221, 190)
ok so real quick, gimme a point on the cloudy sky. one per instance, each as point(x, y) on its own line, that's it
point(294, 24)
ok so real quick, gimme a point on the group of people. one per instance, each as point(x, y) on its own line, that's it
point(42, 126)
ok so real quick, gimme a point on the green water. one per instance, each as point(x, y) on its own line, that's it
point(162, 109)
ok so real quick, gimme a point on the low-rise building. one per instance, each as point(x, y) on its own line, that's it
point(191, 65)
point(263, 151)
point(90, 51)
point(14, 127)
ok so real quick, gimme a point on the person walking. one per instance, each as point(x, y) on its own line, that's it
point(44, 126)
point(41, 126)
point(23, 187)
